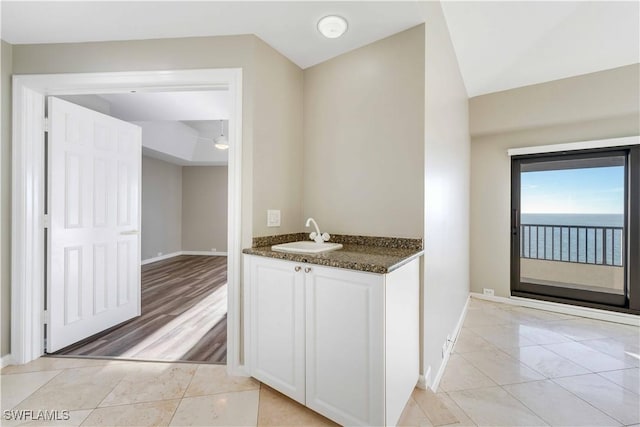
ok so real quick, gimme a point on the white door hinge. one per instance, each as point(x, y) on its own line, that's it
point(46, 221)
point(46, 318)
point(46, 124)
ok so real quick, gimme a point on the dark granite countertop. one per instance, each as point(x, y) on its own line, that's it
point(376, 255)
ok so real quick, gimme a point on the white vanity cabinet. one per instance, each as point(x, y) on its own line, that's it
point(342, 342)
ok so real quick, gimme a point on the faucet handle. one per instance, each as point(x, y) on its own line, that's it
point(326, 237)
point(313, 235)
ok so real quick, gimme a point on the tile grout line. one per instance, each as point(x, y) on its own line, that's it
point(36, 390)
point(110, 391)
point(619, 385)
point(175, 411)
point(126, 404)
point(542, 373)
point(525, 405)
point(584, 400)
point(516, 360)
point(461, 409)
point(479, 370)
point(87, 417)
point(424, 412)
point(559, 385)
point(190, 381)
point(501, 386)
point(173, 414)
point(588, 348)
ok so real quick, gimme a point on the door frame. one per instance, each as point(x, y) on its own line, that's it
point(28, 190)
point(627, 146)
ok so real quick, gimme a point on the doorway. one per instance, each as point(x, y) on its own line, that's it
point(182, 227)
point(28, 267)
point(574, 231)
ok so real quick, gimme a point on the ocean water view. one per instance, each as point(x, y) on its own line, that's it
point(589, 220)
point(581, 238)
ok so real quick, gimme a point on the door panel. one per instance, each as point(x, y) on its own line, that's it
point(100, 192)
point(100, 278)
point(94, 208)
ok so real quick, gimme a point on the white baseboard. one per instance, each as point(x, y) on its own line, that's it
point(454, 337)
point(574, 310)
point(160, 258)
point(204, 253)
point(174, 254)
point(7, 360)
point(425, 379)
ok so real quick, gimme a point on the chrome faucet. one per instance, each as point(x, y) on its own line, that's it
point(316, 235)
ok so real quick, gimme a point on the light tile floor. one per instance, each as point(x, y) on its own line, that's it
point(122, 393)
point(510, 366)
point(515, 366)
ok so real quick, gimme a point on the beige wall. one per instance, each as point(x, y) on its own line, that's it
point(161, 208)
point(446, 177)
point(364, 139)
point(593, 106)
point(204, 208)
point(595, 96)
point(5, 190)
point(277, 154)
point(184, 208)
point(258, 65)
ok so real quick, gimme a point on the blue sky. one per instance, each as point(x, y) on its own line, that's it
point(587, 191)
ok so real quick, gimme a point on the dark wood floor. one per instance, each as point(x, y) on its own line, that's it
point(184, 315)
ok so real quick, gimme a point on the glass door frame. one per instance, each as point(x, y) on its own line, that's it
point(630, 301)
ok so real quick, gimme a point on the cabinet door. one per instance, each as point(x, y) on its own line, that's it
point(345, 345)
point(277, 325)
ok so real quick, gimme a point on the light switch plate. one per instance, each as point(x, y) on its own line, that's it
point(273, 218)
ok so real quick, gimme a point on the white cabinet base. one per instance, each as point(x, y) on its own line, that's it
point(344, 343)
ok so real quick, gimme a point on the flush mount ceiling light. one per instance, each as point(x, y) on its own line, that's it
point(332, 26)
point(221, 142)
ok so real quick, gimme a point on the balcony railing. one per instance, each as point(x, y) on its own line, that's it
point(573, 243)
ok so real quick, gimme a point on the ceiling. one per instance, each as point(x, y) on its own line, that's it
point(178, 127)
point(289, 27)
point(158, 106)
point(504, 45)
point(499, 45)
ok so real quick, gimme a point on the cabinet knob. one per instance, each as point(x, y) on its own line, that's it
point(307, 269)
point(297, 268)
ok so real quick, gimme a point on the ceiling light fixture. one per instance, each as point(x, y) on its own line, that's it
point(332, 26)
point(221, 142)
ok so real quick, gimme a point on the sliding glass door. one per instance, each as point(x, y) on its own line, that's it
point(575, 227)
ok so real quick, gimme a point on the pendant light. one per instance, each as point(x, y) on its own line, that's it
point(221, 142)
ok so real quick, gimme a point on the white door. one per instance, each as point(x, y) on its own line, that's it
point(94, 211)
point(277, 324)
